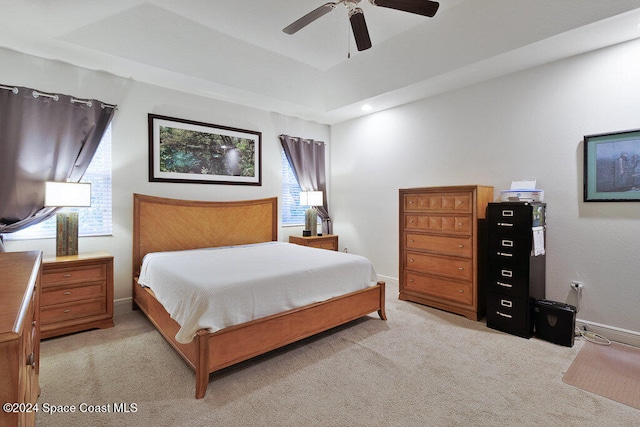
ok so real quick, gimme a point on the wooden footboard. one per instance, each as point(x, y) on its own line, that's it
point(210, 352)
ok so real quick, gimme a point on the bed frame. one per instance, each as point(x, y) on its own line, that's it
point(161, 224)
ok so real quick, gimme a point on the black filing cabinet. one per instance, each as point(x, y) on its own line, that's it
point(516, 265)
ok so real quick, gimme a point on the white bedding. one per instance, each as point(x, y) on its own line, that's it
point(218, 287)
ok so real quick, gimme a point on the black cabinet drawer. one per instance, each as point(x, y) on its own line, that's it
point(511, 315)
point(515, 218)
point(510, 248)
point(509, 278)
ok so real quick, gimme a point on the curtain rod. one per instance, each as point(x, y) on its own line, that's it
point(55, 97)
point(48, 95)
point(11, 88)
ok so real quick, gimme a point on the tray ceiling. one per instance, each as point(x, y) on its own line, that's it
point(236, 51)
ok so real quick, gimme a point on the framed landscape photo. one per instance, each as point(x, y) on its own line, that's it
point(612, 167)
point(194, 152)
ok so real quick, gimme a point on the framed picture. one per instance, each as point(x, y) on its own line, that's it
point(187, 151)
point(612, 167)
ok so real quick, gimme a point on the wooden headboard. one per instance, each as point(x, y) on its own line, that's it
point(161, 224)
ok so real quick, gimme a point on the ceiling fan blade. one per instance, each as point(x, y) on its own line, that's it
point(309, 18)
point(420, 7)
point(359, 27)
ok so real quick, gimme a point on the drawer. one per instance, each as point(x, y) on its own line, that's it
point(512, 315)
point(516, 218)
point(508, 280)
point(456, 246)
point(457, 268)
point(440, 223)
point(449, 289)
point(511, 248)
point(324, 244)
point(88, 273)
point(439, 202)
point(63, 294)
point(62, 312)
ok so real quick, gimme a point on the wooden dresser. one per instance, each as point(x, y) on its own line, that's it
point(328, 241)
point(443, 247)
point(19, 336)
point(77, 293)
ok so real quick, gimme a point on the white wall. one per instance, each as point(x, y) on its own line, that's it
point(130, 145)
point(527, 125)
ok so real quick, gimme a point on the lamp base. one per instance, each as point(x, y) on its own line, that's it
point(311, 221)
point(66, 233)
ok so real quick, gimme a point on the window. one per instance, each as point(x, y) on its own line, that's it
point(93, 221)
point(292, 212)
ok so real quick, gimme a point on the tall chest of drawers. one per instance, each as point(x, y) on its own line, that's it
point(443, 247)
point(77, 293)
point(516, 265)
point(19, 336)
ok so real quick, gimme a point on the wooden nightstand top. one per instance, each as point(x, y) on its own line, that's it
point(326, 241)
point(82, 256)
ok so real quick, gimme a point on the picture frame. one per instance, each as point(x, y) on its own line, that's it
point(186, 151)
point(612, 167)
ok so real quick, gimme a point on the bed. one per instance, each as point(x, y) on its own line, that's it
point(168, 225)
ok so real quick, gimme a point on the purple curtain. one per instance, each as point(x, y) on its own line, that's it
point(43, 137)
point(307, 160)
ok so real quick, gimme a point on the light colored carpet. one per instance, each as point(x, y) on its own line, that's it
point(422, 367)
point(610, 371)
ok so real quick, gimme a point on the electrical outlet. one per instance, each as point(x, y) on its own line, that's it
point(577, 285)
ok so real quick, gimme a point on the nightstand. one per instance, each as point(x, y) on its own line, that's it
point(328, 241)
point(77, 293)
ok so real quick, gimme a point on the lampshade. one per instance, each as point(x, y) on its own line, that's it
point(311, 198)
point(67, 194)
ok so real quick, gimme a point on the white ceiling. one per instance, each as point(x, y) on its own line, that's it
point(235, 50)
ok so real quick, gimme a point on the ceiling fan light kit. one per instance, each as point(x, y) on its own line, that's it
point(356, 16)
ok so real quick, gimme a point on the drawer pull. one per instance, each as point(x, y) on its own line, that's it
point(461, 268)
point(461, 224)
point(507, 254)
point(66, 276)
point(411, 260)
point(508, 316)
point(411, 241)
point(68, 310)
point(506, 303)
point(461, 246)
point(504, 285)
point(506, 273)
point(67, 293)
point(410, 280)
point(461, 291)
point(31, 360)
point(410, 221)
point(507, 213)
point(507, 243)
point(505, 224)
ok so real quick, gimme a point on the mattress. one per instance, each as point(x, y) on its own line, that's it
point(214, 288)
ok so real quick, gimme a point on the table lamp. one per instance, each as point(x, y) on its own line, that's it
point(311, 199)
point(67, 194)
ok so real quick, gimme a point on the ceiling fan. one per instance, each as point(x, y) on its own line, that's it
point(356, 16)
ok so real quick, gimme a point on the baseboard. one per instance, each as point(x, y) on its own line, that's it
point(611, 333)
point(122, 306)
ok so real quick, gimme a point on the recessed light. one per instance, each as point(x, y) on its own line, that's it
point(366, 107)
